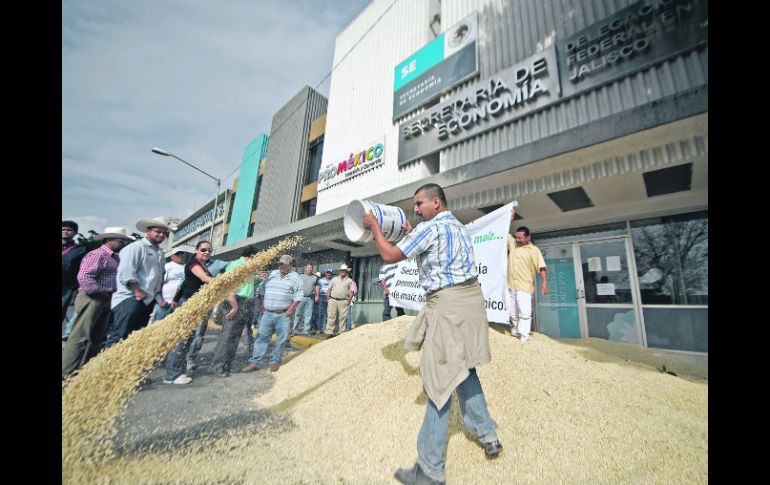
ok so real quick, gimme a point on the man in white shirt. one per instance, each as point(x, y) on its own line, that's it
point(140, 278)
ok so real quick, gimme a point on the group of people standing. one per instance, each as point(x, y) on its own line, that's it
point(114, 293)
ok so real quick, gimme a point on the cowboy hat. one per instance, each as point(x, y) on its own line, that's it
point(344, 267)
point(184, 248)
point(112, 233)
point(145, 224)
point(285, 259)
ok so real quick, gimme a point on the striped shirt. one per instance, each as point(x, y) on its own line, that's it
point(443, 250)
point(279, 292)
point(98, 271)
point(387, 272)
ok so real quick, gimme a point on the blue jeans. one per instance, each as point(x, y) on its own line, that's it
point(68, 327)
point(129, 315)
point(161, 313)
point(321, 313)
point(270, 322)
point(303, 315)
point(386, 310)
point(66, 299)
point(349, 317)
point(197, 339)
point(431, 442)
point(185, 351)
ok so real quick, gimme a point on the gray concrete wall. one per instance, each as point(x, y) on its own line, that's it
point(287, 158)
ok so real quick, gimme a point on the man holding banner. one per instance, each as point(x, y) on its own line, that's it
point(525, 260)
point(451, 329)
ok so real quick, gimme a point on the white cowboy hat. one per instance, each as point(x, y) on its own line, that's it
point(145, 224)
point(344, 267)
point(112, 233)
point(286, 259)
point(184, 248)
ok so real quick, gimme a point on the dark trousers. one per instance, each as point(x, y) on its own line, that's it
point(387, 308)
point(87, 335)
point(66, 298)
point(323, 307)
point(129, 315)
point(227, 345)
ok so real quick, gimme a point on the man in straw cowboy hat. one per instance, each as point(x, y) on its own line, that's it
point(338, 297)
point(451, 329)
point(140, 278)
point(97, 280)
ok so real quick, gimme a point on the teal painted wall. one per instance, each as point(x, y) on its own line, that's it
point(247, 186)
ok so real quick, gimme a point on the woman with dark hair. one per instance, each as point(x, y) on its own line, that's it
point(196, 274)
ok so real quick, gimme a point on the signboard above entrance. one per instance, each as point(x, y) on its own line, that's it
point(632, 39)
point(518, 90)
point(448, 60)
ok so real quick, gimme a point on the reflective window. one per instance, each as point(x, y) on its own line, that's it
point(615, 324)
point(677, 328)
point(368, 275)
point(314, 166)
point(307, 209)
point(672, 259)
point(605, 272)
point(255, 202)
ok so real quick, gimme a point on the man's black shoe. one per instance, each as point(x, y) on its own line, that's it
point(414, 476)
point(492, 449)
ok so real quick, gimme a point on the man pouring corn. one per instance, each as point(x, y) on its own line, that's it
point(451, 329)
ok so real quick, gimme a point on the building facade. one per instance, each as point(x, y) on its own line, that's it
point(197, 226)
point(287, 161)
point(592, 114)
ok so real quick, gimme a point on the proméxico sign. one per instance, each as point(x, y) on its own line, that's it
point(490, 236)
point(448, 60)
point(634, 38)
point(354, 164)
point(510, 94)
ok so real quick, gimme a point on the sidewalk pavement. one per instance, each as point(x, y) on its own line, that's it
point(168, 414)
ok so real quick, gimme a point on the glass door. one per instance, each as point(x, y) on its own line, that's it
point(609, 300)
point(590, 292)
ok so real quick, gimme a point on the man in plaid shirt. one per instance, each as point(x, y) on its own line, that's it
point(97, 279)
point(451, 330)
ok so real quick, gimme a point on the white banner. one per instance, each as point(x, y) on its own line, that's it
point(490, 237)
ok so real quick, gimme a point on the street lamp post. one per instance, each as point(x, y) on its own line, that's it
point(163, 152)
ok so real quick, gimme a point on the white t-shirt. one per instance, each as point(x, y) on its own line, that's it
point(172, 279)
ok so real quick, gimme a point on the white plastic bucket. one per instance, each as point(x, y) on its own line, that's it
point(391, 219)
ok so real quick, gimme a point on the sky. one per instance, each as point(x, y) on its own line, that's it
point(200, 79)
